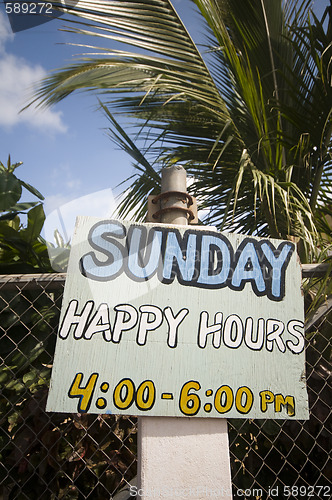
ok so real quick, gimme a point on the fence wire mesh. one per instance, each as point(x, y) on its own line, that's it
point(79, 456)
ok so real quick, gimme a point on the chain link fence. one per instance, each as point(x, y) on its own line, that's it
point(78, 456)
point(50, 455)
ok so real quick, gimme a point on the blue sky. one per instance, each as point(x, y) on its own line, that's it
point(65, 152)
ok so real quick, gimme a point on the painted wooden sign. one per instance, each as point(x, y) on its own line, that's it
point(178, 321)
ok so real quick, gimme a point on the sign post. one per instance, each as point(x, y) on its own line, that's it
point(182, 458)
point(161, 321)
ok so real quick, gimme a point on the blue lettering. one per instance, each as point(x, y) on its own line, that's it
point(100, 238)
point(278, 260)
point(248, 268)
point(196, 258)
point(177, 257)
point(144, 256)
point(215, 261)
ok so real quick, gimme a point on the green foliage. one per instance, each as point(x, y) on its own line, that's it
point(22, 250)
point(27, 319)
point(57, 450)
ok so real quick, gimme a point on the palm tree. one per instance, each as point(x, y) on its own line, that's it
point(254, 130)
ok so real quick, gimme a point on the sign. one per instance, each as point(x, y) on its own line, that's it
point(177, 321)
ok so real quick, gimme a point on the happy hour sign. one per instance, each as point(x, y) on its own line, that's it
point(177, 321)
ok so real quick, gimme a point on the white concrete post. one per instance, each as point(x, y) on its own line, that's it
point(181, 458)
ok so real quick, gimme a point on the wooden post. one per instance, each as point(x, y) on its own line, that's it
point(181, 458)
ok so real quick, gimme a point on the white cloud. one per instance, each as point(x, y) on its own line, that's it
point(5, 31)
point(64, 176)
point(17, 79)
point(62, 211)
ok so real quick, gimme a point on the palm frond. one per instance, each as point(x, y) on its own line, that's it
point(146, 180)
point(169, 61)
point(254, 132)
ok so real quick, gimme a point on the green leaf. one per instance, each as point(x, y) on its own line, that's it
point(10, 190)
point(29, 377)
point(36, 219)
point(32, 190)
point(20, 207)
point(9, 216)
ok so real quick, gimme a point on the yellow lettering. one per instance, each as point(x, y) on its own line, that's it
point(280, 400)
point(267, 397)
